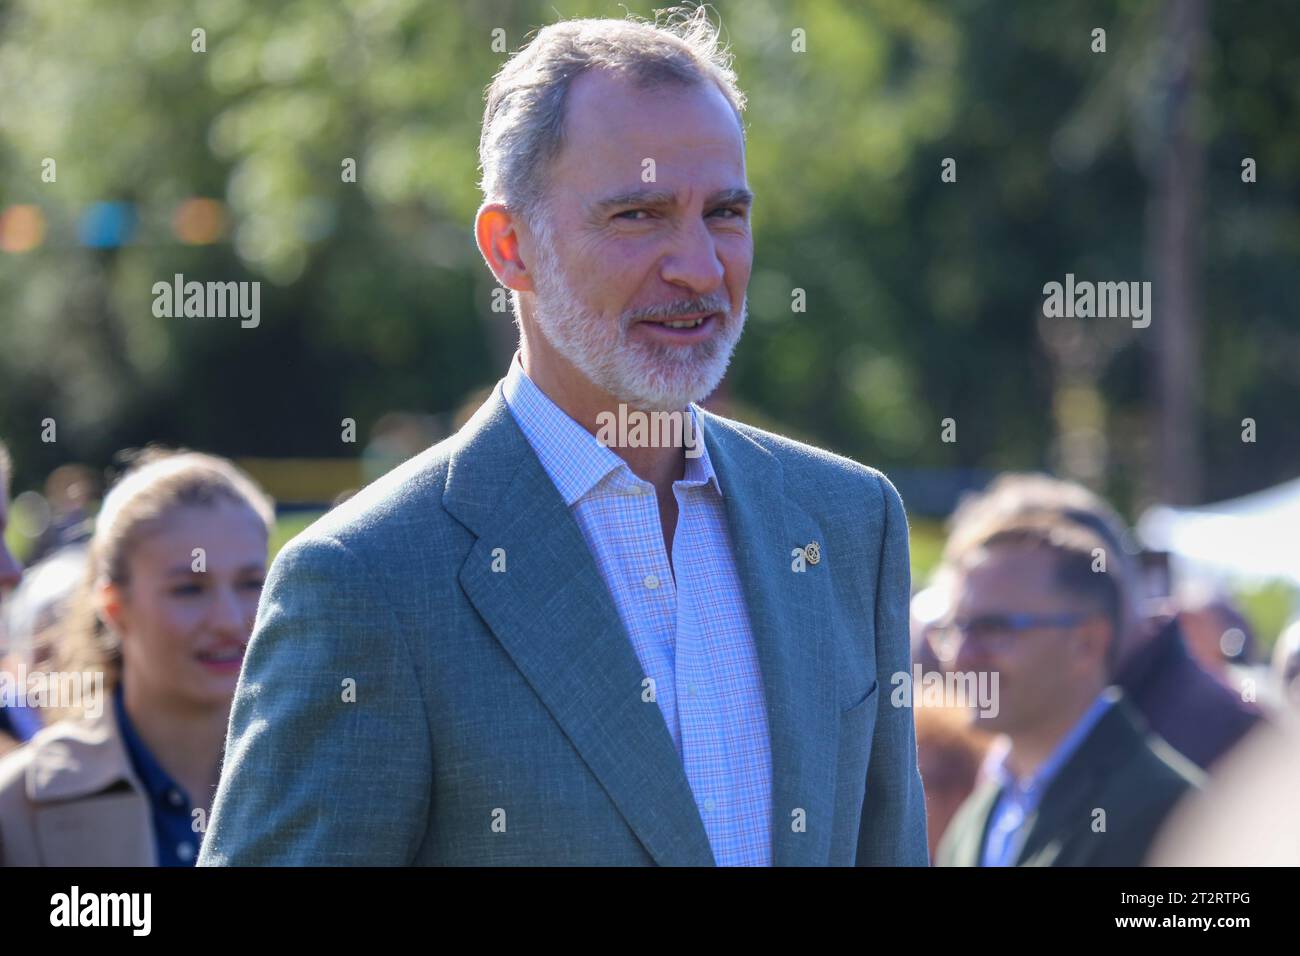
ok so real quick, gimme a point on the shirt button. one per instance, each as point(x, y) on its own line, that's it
point(709, 804)
point(690, 690)
point(651, 581)
point(174, 798)
point(185, 851)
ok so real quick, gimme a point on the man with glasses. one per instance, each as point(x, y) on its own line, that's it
point(1082, 782)
point(1191, 710)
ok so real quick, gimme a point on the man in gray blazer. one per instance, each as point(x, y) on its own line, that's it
point(567, 635)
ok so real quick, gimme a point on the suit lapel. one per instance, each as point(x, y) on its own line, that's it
point(787, 614)
point(1065, 806)
point(971, 828)
point(554, 616)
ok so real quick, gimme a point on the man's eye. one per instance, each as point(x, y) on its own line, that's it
point(254, 585)
point(736, 213)
point(631, 212)
point(187, 590)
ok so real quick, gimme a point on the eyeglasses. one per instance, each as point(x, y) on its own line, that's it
point(995, 632)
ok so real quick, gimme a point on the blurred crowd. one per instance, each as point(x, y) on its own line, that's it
point(122, 648)
point(1122, 718)
point(1135, 721)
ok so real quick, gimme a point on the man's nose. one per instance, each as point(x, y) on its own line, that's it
point(693, 262)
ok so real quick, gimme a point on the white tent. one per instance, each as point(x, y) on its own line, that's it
point(1256, 536)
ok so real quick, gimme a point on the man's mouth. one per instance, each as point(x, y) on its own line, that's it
point(680, 323)
point(681, 328)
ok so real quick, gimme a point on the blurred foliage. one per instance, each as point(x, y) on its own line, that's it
point(922, 295)
point(926, 539)
point(1269, 608)
point(287, 526)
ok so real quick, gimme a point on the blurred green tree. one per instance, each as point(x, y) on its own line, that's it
point(923, 296)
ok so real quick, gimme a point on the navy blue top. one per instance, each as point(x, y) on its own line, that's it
point(174, 837)
point(21, 723)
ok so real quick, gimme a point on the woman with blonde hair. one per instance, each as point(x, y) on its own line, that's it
point(175, 569)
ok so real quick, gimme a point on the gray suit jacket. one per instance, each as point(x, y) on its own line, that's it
point(498, 716)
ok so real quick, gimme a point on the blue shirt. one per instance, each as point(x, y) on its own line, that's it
point(1018, 801)
point(174, 837)
point(21, 723)
point(691, 635)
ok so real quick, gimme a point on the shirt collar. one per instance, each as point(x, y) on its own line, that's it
point(1031, 790)
point(571, 456)
point(155, 779)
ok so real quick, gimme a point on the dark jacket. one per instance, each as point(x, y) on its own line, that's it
point(1196, 714)
point(1120, 768)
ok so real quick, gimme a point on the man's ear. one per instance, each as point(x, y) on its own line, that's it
point(1094, 638)
point(497, 233)
point(110, 607)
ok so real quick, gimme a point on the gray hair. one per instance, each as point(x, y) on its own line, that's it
point(523, 124)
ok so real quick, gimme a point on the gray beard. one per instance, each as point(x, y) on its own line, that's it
point(641, 375)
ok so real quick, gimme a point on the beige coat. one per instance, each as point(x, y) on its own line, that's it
point(69, 797)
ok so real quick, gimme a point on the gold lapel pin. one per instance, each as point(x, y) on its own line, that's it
point(812, 553)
